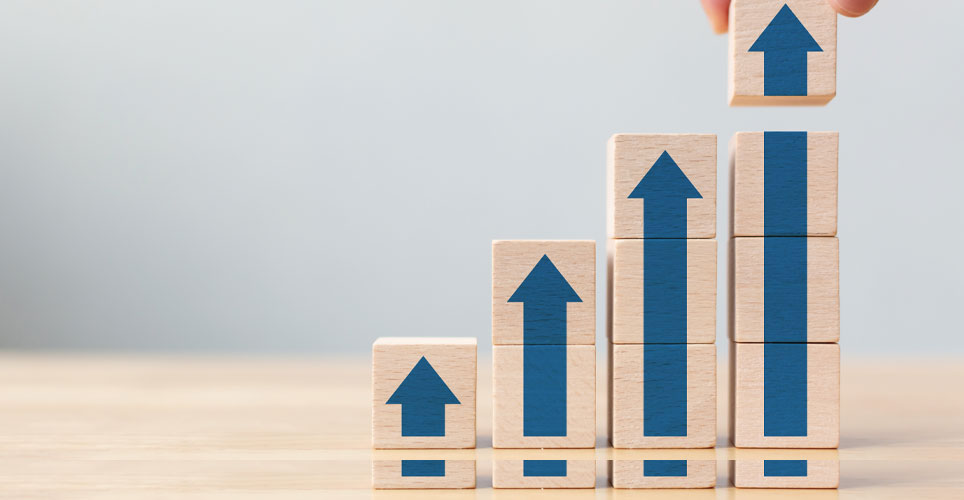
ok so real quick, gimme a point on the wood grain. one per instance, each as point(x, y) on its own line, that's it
point(512, 260)
point(822, 471)
point(625, 322)
point(823, 398)
point(747, 290)
point(630, 474)
point(509, 474)
point(748, 19)
point(580, 400)
point(747, 174)
point(387, 474)
point(454, 359)
point(628, 384)
point(630, 156)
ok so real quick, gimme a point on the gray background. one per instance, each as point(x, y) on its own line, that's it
point(307, 176)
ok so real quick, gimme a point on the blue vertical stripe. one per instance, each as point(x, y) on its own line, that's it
point(785, 468)
point(543, 390)
point(664, 468)
point(664, 390)
point(784, 183)
point(664, 291)
point(784, 389)
point(423, 468)
point(785, 289)
point(544, 468)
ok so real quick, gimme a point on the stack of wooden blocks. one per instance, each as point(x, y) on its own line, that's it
point(544, 363)
point(661, 312)
point(784, 287)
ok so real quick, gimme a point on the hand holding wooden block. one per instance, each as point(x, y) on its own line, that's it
point(782, 52)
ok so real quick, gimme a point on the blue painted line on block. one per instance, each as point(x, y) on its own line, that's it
point(664, 468)
point(544, 468)
point(664, 291)
point(785, 389)
point(785, 184)
point(544, 294)
point(543, 390)
point(785, 468)
point(423, 468)
point(664, 390)
point(785, 289)
point(785, 43)
point(423, 396)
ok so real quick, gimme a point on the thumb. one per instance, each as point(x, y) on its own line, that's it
point(853, 8)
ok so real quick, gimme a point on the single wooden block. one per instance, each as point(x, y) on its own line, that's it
point(782, 52)
point(537, 473)
point(663, 395)
point(662, 473)
point(544, 396)
point(423, 474)
point(785, 289)
point(423, 392)
point(543, 292)
point(661, 186)
point(784, 183)
point(785, 395)
point(680, 306)
point(785, 469)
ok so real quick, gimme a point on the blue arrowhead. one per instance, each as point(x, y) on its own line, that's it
point(423, 396)
point(785, 43)
point(666, 189)
point(544, 293)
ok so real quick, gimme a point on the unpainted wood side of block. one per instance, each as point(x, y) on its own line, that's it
point(509, 474)
point(387, 474)
point(630, 474)
point(820, 474)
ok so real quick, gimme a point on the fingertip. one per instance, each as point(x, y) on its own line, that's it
point(852, 8)
point(717, 11)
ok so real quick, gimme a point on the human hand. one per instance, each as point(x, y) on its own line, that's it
point(719, 10)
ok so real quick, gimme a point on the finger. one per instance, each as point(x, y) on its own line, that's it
point(853, 8)
point(717, 11)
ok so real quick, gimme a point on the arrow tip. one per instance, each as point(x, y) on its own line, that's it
point(785, 32)
point(665, 180)
point(545, 284)
point(423, 385)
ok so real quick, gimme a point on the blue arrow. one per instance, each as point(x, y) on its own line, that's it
point(544, 294)
point(423, 396)
point(785, 43)
point(665, 189)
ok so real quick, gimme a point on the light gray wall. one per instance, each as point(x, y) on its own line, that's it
point(306, 176)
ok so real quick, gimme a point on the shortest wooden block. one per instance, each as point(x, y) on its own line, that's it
point(544, 396)
point(423, 392)
point(548, 473)
point(678, 381)
point(662, 473)
point(785, 469)
point(785, 395)
point(423, 474)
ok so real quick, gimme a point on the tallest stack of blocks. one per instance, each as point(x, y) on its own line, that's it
point(784, 284)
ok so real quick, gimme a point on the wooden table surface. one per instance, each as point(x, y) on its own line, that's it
point(135, 426)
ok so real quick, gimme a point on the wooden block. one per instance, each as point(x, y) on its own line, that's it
point(785, 469)
point(800, 299)
point(792, 402)
point(672, 422)
point(555, 281)
point(423, 474)
point(662, 473)
point(782, 52)
point(685, 169)
point(784, 183)
point(694, 303)
point(408, 415)
point(551, 473)
point(537, 377)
